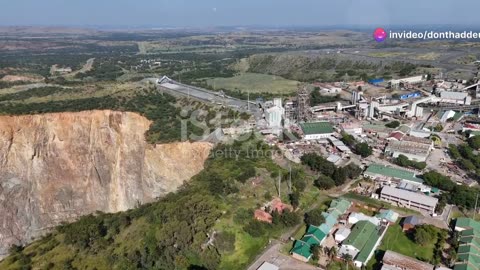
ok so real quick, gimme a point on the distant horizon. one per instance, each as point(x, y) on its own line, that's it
point(365, 27)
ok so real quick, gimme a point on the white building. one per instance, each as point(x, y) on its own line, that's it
point(352, 128)
point(354, 217)
point(317, 130)
point(447, 115)
point(408, 199)
point(342, 234)
point(455, 97)
point(409, 80)
point(274, 116)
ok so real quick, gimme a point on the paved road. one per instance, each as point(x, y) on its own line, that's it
point(273, 255)
point(209, 97)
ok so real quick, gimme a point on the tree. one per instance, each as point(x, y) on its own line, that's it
point(294, 199)
point(339, 176)
point(453, 150)
point(363, 149)
point(467, 164)
point(425, 234)
point(267, 196)
point(474, 142)
point(438, 128)
point(289, 219)
point(314, 217)
point(255, 228)
point(324, 182)
point(347, 257)
point(352, 170)
point(315, 250)
point(393, 124)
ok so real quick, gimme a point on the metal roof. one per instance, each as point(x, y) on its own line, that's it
point(453, 95)
point(392, 172)
point(411, 196)
point(316, 128)
point(404, 262)
point(268, 266)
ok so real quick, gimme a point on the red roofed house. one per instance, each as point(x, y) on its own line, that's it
point(277, 205)
point(261, 215)
point(395, 136)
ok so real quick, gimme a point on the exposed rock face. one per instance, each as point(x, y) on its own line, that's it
point(56, 167)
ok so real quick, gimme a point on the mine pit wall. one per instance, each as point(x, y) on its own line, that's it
point(57, 167)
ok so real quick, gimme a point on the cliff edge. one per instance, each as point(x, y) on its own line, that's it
point(57, 167)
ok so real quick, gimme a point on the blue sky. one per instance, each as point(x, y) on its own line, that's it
point(205, 13)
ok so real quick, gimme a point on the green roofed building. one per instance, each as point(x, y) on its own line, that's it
point(388, 215)
point(317, 130)
point(301, 251)
point(316, 235)
point(339, 206)
point(330, 219)
point(387, 174)
point(362, 242)
point(469, 244)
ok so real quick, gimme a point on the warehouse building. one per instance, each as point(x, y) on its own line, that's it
point(396, 261)
point(408, 199)
point(415, 151)
point(455, 97)
point(317, 130)
point(388, 175)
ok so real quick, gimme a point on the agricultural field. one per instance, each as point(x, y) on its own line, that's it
point(255, 83)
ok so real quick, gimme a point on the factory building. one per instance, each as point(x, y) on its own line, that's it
point(408, 199)
point(455, 97)
point(409, 80)
point(416, 151)
point(317, 130)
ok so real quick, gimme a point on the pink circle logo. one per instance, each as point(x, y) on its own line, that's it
point(379, 34)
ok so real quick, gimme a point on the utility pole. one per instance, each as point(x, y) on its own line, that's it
point(474, 213)
point(290, 179)
point(279, 179)
point(248, 100)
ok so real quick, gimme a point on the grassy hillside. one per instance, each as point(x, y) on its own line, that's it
point(173, 232)
point(303, 67)
point(255, 83)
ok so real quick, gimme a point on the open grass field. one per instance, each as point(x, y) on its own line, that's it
point(396, 240)
point(255, 83)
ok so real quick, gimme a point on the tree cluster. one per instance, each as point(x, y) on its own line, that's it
point(329, 174)
point(361, 148)
point(459, 195)
point(403, 161)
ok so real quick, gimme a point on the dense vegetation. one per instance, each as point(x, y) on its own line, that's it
point(325, 68)
point(403, 161)
point(460, 195)
point(158, 107)
point(360, 148)
point(465, 156)
point(175, 232)
point(393, 124)
point(329, 175)
point(35, 92)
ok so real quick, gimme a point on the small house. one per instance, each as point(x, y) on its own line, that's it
point(410, 222)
